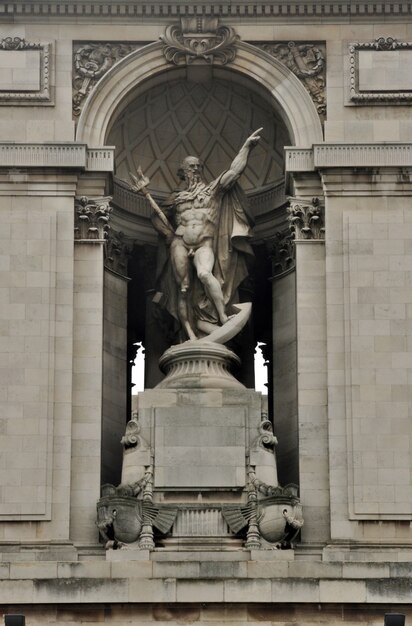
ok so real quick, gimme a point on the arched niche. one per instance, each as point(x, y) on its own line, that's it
point(142, 70)
point(122, 82)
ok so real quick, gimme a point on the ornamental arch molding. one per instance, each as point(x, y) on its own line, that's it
point(123, 82)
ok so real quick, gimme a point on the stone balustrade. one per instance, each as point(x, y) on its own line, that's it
point(67, 155)
point(365, 155)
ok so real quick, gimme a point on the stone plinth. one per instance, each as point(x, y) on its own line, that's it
point(199, 364)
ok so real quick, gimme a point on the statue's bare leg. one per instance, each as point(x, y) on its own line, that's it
point(180, 263)
point(204, 260)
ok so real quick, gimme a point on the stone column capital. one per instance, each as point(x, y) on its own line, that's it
point(306, 219)
point(91, 219)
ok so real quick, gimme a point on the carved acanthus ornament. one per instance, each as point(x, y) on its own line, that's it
point(91, 61)
point(308, 62)
point(281, 250)
point(91, 221)
point(117, 252)
point(306, 219)
point(199, 39)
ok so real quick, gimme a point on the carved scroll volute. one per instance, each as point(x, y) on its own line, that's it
point(199, 39)
point(306, 219)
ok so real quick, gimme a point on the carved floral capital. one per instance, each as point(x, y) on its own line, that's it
point(281, 251)
point(91, 221)
point(199, 39)
point(306, 219)
point(117, 252)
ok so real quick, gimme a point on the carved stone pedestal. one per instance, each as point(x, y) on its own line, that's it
point(199, 364)
point(200, 468)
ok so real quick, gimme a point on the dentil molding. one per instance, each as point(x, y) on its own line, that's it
point(298, 10)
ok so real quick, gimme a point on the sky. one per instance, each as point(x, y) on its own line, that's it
point(138, 371)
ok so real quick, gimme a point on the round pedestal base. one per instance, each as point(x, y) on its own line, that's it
point(199, 365)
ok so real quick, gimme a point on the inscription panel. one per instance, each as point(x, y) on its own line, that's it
point(208, 453)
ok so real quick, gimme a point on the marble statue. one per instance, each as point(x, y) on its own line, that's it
point(206, 232)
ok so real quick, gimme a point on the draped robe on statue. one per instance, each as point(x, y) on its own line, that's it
point(231, 246)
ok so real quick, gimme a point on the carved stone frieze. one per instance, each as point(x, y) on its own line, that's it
point(306, 219)
point(117, 252)
point(91, 219)
point(91, 61)
point(199, 39)
point(281, 251)
point(308, 62)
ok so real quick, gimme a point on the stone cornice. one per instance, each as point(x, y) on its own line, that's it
point(128, 9)
point(56, 155)
point(344, 155)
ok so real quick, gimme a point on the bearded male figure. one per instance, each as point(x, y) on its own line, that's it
point(208, 247)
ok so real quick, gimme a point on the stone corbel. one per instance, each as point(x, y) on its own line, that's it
point(91, 219)
point(199, 39)
point(306, 219)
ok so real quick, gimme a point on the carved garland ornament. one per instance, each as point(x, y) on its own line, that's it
point(306, 219)
point(308, 62)
point(17, 43)
point(199, 39)
point(91, 61)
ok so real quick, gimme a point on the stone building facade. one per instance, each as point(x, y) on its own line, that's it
point(89, 91)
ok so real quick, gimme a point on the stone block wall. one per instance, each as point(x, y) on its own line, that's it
point(36, 382)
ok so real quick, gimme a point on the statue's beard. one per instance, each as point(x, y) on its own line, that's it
point(192, 180)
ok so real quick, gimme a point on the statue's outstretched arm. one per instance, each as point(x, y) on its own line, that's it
point(240, 161)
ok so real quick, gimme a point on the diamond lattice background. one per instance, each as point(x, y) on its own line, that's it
point(180, 118)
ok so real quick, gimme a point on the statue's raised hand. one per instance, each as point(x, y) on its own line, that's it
point(253, 139)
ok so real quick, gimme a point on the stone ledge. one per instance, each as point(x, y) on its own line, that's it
point(172, 589)
point(199, 568)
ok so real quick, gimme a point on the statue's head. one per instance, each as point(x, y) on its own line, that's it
point(191, 170)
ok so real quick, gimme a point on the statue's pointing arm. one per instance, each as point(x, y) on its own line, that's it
point(240, 161)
